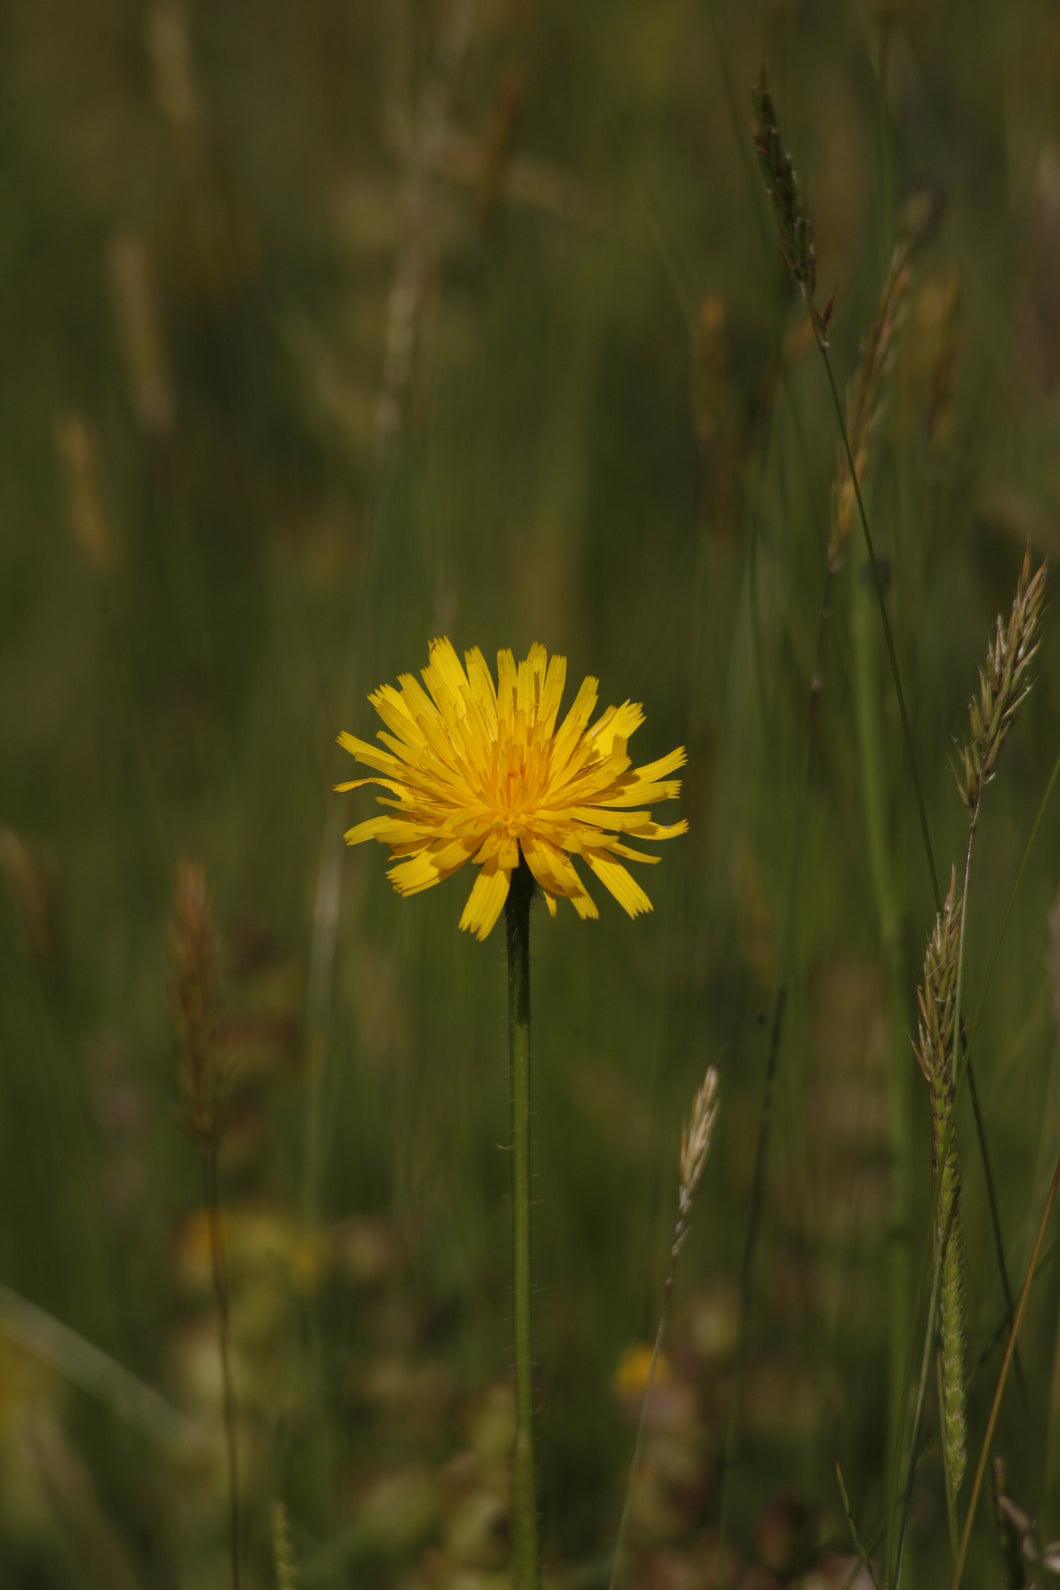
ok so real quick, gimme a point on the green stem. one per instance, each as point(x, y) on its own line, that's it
point(873, 761)
point(524, 1496)
point(895, 1580)
point(996, 1404)
point(949, 1356)
point(758, 1178)
point(962, 1067)
point(620, 1540)
point(220, 1286)
point(885, 623)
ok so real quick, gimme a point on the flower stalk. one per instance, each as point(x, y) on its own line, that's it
point(524, 1491)
point(483, 772)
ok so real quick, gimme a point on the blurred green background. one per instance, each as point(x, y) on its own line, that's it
point(331, 328)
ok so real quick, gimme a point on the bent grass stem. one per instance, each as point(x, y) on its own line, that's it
point(1002, 1377)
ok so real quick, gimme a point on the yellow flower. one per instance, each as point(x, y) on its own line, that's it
point(634, 1367)
point(478, 772)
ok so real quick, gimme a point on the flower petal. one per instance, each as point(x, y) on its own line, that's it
point(486, 900)
point(473, 771)
point(556, 873)
point(625, 888)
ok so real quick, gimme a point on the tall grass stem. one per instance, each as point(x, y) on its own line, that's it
point(881, 600)
point(870, 736)
point(695, 1144)
point(921, 1391)
point(623, 1523)
point(758, 1178)
point(995, 1406)
point(220, 1285)
point(524, 1492)
point(863, 1556)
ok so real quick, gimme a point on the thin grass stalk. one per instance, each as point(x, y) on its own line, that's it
point(84, 1365)
point(881, 602)
point(930, 1328)
point(780, 999)
point(892, 1515)
point(1015, 1530)
point(219, 1274)
point(775, 1034)
point(867, 398)
point(764, 1123)
point(980, 1129)
point(1003, 685)
point(638, 1442)
point(524, 1492)
point(282, 1548)
point(795, 239)
point(949, 1360)
point(776, 1027)
point(204, 1084)
point(794, 233)
point(995, 1406)
point(935, 1047)
point(921, 1392)
point(870, 737)
point(961, 1068)
point(695, 1144)
point(323, 940)
point(1050, 1492)
point(995, 949)
point(1054, 780)
point(863, 1556)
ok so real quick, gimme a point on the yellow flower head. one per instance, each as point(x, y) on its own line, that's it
point(479, 772)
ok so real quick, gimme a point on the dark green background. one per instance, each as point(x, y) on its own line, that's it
point(548, 203)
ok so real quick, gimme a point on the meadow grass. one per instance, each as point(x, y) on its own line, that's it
point(332, 329)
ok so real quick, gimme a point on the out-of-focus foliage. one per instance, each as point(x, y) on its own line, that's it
point(332, 327)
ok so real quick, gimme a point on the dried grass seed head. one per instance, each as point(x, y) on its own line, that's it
point(1003, 684)
point(867, 395)
point(794, 228)
point(695, 1139)
point(937, 994)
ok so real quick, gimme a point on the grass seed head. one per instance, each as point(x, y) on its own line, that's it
point(794, 227)
point(937, 994)
point(867, 396)
point(1003, 684)
point(695, 1146)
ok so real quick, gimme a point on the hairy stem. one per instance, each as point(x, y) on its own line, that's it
point(524, 1495)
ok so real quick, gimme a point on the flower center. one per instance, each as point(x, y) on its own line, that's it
point(518, 783)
